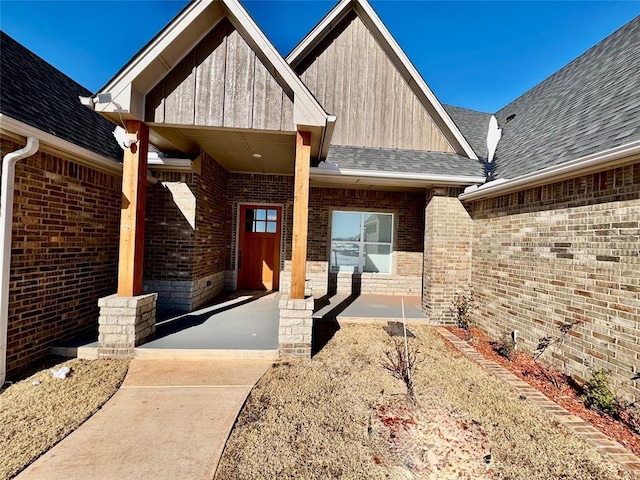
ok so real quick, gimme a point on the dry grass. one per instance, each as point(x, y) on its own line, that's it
point(33, 418)
point(322, 419)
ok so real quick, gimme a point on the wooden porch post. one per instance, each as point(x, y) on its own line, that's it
point(300, 215)
point(134, 184)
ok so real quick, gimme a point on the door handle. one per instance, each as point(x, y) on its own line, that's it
point(239, 260)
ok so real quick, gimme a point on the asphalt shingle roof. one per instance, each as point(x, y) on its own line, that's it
point(474, 126)
point(403, 161)
point(590, 105)
point(36, 93)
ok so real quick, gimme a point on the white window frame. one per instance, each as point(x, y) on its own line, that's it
point(361, 243)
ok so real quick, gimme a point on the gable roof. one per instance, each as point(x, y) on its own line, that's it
point(179, 37)
point(590, 105)
point(473, 125)
point(38, 94)
point(366, 13)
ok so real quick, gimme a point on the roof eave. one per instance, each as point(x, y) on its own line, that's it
point(343, 175)
point(128, 101)
point(80, 154)
point(611, 158)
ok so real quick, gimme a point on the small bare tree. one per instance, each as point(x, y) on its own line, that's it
point(401, 358)
point(400, 362)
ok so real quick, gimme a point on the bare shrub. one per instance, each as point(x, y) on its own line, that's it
point(506, 347)
point(400, 363)
point(545, 342)
point(461, 307)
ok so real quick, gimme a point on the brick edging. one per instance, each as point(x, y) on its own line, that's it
point(603, 444)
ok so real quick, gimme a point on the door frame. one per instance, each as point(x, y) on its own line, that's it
point(237, 236)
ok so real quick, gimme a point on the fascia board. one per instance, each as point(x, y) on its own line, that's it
point(318, 32)
point(156, 46)
point(592, 163)
point(400, 179)
point(307, 110)
point(366, 12)
point(78, 154)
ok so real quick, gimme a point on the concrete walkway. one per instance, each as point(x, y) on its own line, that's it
point(169, 420)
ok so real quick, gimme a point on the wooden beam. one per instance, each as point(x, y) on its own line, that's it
point(134, 184)
point(300, 214)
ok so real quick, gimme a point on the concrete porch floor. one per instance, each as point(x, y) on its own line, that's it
point(369, 308)
point(244, 324)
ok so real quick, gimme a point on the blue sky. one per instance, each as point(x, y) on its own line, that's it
point(473, 54)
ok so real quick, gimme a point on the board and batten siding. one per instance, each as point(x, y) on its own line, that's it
point(221, 83)
point(353, 78)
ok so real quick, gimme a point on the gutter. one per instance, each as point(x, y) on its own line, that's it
point(582, 166)
point(6, 227)
point(82, 155)
point(78, 154)
point(414, 179)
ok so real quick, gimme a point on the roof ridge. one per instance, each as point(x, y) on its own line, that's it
point(397, 56)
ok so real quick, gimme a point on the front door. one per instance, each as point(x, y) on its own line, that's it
point(259, 247)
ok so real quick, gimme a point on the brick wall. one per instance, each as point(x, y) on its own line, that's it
point(408, 210)
point(561, 253)
point(447, 255)
point(64, 253)
point(185, 236)
point(258, 189)
point(169, 237)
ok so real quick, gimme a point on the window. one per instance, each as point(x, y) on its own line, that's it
point(261, 220)
point(361, 242)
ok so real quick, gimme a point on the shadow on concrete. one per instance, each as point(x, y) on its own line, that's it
point(326, 325)
point(184, 321)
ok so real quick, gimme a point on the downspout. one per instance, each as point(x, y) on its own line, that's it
point(6, 223)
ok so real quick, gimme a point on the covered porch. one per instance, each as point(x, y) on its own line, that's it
point(214, 103)
point(244, 324)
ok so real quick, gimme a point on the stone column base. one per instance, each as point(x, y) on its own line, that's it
point(296, 324)
point(124, 323)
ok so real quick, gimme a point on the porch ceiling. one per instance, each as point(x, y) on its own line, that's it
point(233, 149)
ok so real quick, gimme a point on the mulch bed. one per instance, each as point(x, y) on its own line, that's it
point(555, 385)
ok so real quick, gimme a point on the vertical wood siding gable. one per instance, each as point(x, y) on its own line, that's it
point(353, 78)
point(221, 83)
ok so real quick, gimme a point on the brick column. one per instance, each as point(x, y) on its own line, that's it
point(125, 323)
point(448, 236)
point(296, 323)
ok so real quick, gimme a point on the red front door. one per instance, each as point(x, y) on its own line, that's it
point(259, 242)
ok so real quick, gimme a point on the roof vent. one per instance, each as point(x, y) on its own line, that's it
point(511, 117)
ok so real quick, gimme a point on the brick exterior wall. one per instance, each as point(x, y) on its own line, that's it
point(246, 188)
point(408, 210)
point(407, 207)
point(561, 253)
point(64, 253)
point(447, 255)
point(185, 236)
point(169, 238)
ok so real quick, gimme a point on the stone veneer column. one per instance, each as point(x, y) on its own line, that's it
point(448, 237)
point(124, 323)
point(296, 323)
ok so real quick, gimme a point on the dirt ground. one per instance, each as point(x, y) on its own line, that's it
point(342, 415)
point(38, 412)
